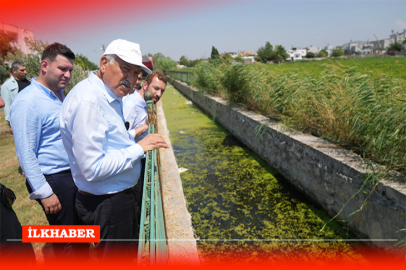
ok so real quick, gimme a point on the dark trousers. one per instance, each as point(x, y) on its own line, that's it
point(116, 215)
point(64, 188)
point(10, 229)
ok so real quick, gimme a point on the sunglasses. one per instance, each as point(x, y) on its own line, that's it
point(7, 196)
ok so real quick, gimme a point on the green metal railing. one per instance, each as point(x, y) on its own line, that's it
point(152, 237)
point(184, 76)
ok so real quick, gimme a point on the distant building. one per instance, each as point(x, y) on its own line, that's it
point(248, 59)
point(329, 47)
point(312, 49)
point(398, 37)
point(294, 55)
point(367, 49)
point(302, 52)
point(232, 54)
point(353, 48)
point(380, 46)
point(20, 36)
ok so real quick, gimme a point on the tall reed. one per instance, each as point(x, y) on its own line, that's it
point(351, 106)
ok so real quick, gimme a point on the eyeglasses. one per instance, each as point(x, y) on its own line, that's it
point(7, 196)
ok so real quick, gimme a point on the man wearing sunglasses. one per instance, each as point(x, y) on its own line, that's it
point(11, 246)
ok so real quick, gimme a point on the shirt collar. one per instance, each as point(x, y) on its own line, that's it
point(46, 90)
point(94, 79)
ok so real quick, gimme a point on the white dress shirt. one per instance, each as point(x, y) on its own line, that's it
point(135, 113)
point(103, 156)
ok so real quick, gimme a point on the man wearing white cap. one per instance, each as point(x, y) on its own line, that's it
point(104, 158)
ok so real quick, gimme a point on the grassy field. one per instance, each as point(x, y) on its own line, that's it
point(359, 104)
point(29, 212)
point(375, 66)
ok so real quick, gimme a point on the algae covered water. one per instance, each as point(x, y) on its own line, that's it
point(235, 199)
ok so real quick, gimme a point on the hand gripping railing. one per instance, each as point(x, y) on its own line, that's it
point(152, 237)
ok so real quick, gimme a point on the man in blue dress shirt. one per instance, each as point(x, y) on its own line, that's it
point(40, 151)
point(104, 158)
point(136, 112)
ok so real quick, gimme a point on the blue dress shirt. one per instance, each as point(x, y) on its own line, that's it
point(135, 113)
point(34, 117)
point(104, 157)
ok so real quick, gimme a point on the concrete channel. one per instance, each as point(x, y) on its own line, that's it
point(181, 241)
point(325, 173)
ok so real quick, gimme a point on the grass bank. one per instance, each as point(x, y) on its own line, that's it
point(359, 104)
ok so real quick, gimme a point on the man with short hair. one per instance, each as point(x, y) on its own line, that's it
point(136, 114)
point(135, 107)
point(104, 158)
point(9, 90)
point(40, 151)
point(137, 84)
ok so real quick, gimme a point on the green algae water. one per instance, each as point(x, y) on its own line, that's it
point(235, 199)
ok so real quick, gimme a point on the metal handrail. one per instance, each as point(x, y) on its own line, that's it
point(184, 76)
point(152, 237)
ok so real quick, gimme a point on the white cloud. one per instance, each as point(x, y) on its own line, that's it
point(401, 24)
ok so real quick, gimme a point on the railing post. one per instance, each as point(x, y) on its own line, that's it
point(152, 237)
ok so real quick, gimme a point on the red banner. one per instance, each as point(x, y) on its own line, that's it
point(60, 234)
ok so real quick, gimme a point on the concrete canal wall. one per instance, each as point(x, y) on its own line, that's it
point(325, 173)
point(179, 232)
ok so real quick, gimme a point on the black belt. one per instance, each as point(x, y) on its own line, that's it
point(90, 194)
point(65, 171)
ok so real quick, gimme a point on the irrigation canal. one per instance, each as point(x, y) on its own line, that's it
point(232, 194)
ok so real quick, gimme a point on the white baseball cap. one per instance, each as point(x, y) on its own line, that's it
point(128, 51)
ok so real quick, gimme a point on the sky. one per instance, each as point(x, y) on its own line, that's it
point(191, 27)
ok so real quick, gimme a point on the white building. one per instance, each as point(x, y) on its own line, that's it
point(20, 36)
point(382, 45)
point(248, 59)
point(398, 37)
point(302, 52)
point(294, 55)
point(312, 49)
point(232, 54)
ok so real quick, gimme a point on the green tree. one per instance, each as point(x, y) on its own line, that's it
point(164, 64)
point(337, 51)
point(265, 54)
point(214, 53)
point(239, 59)
point(280, 50)
point(226, 58)
point(310, 55)
point(395, 47)
point(79, 62)
point(322, 53)
point(157, 56)
point(268, 53)
point(184, 61)
point(88, 65)
point(5, 44)
point(4, 72)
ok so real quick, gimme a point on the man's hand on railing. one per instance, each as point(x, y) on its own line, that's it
point(152, 141)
